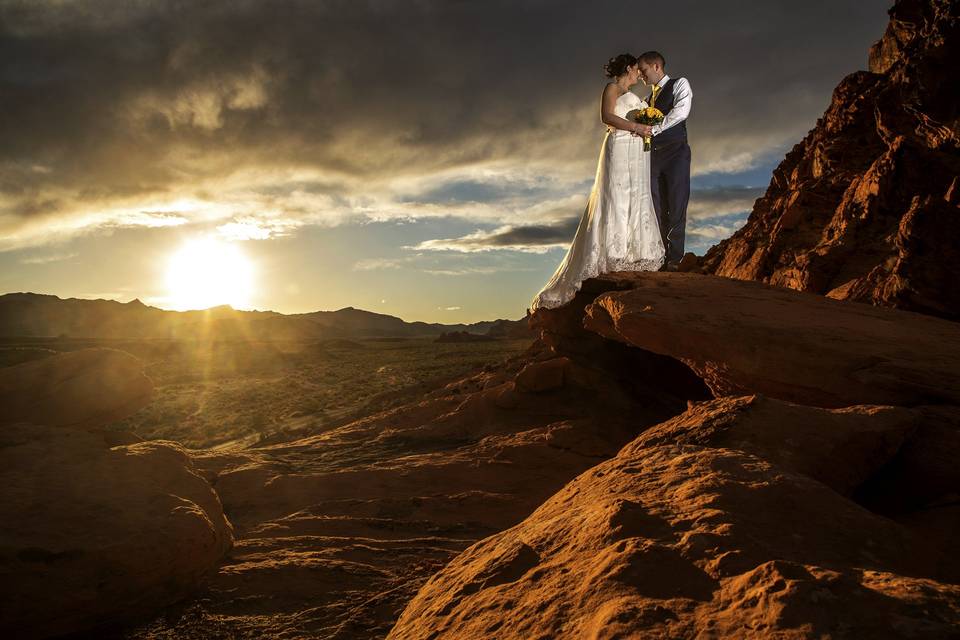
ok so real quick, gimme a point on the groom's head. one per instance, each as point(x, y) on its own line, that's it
point(651, 66)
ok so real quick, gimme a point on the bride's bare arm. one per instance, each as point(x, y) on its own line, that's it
point(608, 103)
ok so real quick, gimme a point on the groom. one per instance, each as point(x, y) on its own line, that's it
point(669, 154)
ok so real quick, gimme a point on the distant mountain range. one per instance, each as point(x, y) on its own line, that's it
point(40, 315)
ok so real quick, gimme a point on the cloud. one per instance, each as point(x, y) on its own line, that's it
point(57, 257)
point(703, 233)
point(52, 223)
point(377, 264)
point(449, 308)
point(713, 231)
point(245, 108)
point(436, 265)
point(252, 228)
point(467, 271)
point(721, 201)
point(531, 239)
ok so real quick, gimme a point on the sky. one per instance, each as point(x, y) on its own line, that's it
point(428, 159)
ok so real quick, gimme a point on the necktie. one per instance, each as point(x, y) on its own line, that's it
point(654, 93)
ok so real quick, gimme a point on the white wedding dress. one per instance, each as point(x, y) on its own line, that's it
point(619, 230)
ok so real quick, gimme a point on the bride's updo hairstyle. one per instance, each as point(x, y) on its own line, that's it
point(618, 66)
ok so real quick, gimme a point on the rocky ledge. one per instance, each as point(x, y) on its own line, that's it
point(744, 337)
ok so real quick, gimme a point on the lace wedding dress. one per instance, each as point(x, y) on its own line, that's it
point(619, 230)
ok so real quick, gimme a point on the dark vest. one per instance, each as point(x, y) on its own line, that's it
point(665, 100)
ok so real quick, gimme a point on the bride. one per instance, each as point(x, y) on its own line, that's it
point(618, 230)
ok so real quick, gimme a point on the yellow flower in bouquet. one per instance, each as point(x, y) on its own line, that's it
point(649, 116)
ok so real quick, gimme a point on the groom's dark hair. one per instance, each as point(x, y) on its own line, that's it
point(652, 56)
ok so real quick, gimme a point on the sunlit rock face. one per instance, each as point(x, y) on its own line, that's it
point(739, 518)
point(866, 206)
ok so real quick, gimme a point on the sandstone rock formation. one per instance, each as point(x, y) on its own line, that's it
point(745, 516)
point(95, 534)
point(866, 206)
point(95, 528)
point(750, 337)
point(732, 520)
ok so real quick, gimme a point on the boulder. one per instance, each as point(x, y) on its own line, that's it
point(94, 535)
point(96, 527)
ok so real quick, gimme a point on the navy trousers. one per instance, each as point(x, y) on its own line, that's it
point(670, 188)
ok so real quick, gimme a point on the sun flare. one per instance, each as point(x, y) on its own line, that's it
point(205, 272)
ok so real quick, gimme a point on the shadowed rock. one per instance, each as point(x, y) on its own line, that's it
point(842, 448)
point(544, 375)
point(85, 388)
point(96, 528)
point(94, 535)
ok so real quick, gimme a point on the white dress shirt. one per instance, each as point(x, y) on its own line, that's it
point(683, 96)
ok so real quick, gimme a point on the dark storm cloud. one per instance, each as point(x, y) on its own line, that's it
point(535, 235)
point(107, 100)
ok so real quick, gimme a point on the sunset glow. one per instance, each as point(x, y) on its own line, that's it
point(205, 272)
point(383, 173)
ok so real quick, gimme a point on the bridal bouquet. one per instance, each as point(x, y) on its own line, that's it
point(649, 116)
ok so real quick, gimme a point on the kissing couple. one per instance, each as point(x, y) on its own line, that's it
point(636, 216)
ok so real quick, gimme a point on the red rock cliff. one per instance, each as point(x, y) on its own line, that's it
point(866, 207)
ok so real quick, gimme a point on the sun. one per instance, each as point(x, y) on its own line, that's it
point(205, 272)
